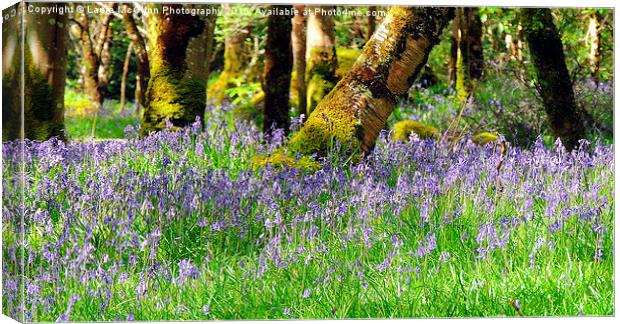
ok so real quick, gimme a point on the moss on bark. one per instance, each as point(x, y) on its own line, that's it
point(170, 94)
point(358, 107)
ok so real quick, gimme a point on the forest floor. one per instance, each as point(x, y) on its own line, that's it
point(180, 225)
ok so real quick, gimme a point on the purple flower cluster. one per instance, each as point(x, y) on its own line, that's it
point(96, 213)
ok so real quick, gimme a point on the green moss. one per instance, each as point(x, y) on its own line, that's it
point(320, 75)
point(282, 159)
point(484, 138)
point(346, 59)
point(174, 98)
point(328, 125)
point(403, 129)
point(318, 88)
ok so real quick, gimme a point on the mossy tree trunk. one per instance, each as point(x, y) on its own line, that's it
point(467, 49)
point(298, 37)
point(12, 84)
point(200, 48)
point(143, 71)
point(278, 68)
point(235, 59)
point(170, 95)
point(321, 59)
point(554, 83)
point(95, 56)
point(45, 72)
point(358, 107)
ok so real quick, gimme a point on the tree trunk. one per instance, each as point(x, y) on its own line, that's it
point(124, 76)
point(143, 71)
point(594, 37)
point(95, 55)
point(321, 59)
point(554, 83)
point(106, 60)
point(45, 69)
point(90, 63)
point(469, 58)
point(298, 37)
point(278, 67)
point(235, 61)
point(12, 85)
point(44, 64)
point(200, 48)
point(358, 107)
point(170, 96)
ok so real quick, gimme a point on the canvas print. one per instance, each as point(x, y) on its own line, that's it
point(220, 161)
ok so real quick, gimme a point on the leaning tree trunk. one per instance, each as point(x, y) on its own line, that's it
point(45, 71)
point(298, 39)
point(554, 83)
point(467, 46)
point(143, 71)
point(278, 67)
point(358, 107)
point(321, 59)
point(170, 96)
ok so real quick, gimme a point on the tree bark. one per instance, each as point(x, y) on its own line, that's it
point(467, 50)
point(235, 61)
point(44, 64)
point(124, 77)
point(298, 37)
point(200, 48)
point(358, 107)
point(170, 96)
point(94, 57)
point(321, 59)
point(554, 83)
point(278, 68)
point(143, 71)
point(594, 38)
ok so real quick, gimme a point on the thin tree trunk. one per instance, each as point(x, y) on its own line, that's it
point(143, 71)
point(554, 83)
point(358, 107)
point(124, 76)
point(94, 55)
point(298, 37)
point(321, 59)
point(278, 67)
point(469, 60)
point(235, 61)
point(170, 96)
point(594, 37)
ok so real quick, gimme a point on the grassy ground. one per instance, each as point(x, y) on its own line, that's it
point(178, 226)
